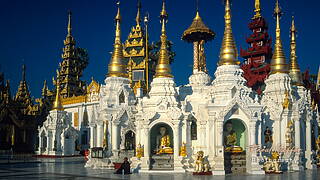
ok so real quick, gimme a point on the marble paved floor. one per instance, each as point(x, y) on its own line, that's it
point(72, 168)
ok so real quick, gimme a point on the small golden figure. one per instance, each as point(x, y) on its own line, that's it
point(289, 134)
point(163, 142)
point(200, 164)
point(183, 150)
point(272, 165)
point(286, 101)
point(230, 139)
point(139, 151)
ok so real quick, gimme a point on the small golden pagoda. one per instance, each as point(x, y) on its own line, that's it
point(228, 51)
point(278, 61)
point(294, 70)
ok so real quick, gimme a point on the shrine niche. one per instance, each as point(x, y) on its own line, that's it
point(161, 138)
point(130, 140)
point(234, 136)
point(193, 129)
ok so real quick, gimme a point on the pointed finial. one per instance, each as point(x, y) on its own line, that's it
point(163, 68)
point(69, 23)
point(197, 5)
point(117, 66)
point(257, 9)
point(118, 16)
point(294, 71)
point(278, 61)
point(44, 89)
point(23, 72)
point(57, 102)
point(228, 52)
point(138, 18)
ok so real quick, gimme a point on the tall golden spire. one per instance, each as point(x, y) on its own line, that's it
point(117, 66)
point(294, 71)
point(57, 102)
point(278, 61)
point(228, 52)
point(257, 9)
point(138, 18)
point(163, 68)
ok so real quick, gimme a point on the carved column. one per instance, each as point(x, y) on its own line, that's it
point(145, 141)
point(296, 163)
point(308, 154)
point(115, 136)
point(92, 143)
point(219, 159)
point(195, 57)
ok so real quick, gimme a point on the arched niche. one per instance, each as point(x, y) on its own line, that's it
point(130, 140)
point(155, 136)
point(194, 129)
point(239, 128)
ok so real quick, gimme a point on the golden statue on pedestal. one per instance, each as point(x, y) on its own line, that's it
point(139, 151)
point(183, 150)
point(230, 139)
point(272, 165)
point(163, 142)
point(200, 164)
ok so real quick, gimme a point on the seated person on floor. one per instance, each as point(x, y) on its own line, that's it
point(125, 167)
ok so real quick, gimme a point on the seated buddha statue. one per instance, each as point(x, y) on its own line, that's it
point(230, 139)
point(163, 142)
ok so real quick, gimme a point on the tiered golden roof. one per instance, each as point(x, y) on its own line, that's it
point(228, 52)
point(69, 42)
point(117, 66)
point(294, 71)
point(257, 9)
point(278, 61)
point(163, 68)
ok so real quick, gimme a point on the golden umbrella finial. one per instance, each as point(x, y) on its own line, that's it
point(278, 61)
point(117, 66)
point(228, 52)
point(294, 71)
point(257, 9)
point(163, 68)
point(57, 102)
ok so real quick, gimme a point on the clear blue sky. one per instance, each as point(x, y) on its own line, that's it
point(32, 32)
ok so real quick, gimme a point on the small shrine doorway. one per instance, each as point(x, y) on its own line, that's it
point(130, 140)
point(235, 141)
point(161, 147)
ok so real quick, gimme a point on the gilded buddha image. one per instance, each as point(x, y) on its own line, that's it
point(230, 139)
point(163, 142)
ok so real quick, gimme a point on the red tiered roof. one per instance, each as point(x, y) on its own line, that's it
point(257, 56)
